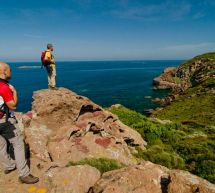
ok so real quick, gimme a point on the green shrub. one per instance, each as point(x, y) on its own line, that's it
point(197, 109)
point(174, 145)
point(102, 164)
point(158, 155)
point(206, 169)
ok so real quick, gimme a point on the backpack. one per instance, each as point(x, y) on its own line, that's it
point(43, 61)
point(4, 110)
point(43, 54)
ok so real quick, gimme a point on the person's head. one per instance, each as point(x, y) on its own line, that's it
point(5, 71)
point(50, 47)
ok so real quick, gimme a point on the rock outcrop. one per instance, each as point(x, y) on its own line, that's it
point(191, 73)
point(53, 179)
point(166, 80)
point(78, 179)
point(197, 71)
point(67, 127)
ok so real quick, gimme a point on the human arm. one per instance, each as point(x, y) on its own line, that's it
point(9, 96)
point(14, 102)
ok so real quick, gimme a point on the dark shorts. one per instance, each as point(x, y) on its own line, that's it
point(49, 69)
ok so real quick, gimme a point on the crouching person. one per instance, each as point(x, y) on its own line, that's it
point(9, 130)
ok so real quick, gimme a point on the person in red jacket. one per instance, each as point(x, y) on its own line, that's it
point(9, 130)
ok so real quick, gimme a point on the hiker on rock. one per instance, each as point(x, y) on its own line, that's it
point(9, 130)
point(48, 62)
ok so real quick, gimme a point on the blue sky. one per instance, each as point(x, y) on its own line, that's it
point(106, 29)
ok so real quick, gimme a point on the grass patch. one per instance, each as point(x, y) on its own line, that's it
point(102, 164)
point(210, 56)
point(198, 109)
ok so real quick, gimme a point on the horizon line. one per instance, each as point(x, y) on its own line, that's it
point(102, 60)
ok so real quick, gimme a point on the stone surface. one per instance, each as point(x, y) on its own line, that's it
point(143, 178)
point(184, 182)
point(163, 81)
point(151, 178)
point(53, 179)
point(75, 179)
point(160, 83)
point(67, 127)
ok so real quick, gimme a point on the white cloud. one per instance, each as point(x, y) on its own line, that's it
point(190, 46)
point(166, 10)
point(147, 12)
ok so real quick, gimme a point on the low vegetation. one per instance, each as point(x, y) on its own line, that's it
point(196, 109)
point(102, 164)
point(174, 145)
point(210, 56)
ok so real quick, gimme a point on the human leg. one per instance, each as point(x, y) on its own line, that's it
point(16, 139)
point(19, 152)
point(5, 159)
point(53, 77)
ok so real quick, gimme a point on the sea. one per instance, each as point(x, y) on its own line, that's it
point(104, 82)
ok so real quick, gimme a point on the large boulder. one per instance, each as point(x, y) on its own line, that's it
point(151, 178)
point(143, 178)
point(64, 126)
point(184, 182)
point(75, 179)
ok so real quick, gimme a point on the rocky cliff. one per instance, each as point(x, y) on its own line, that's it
point(198, 71)
point(195, 76)
point(73, 142)
point(66, 127)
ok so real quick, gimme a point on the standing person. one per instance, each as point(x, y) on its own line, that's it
point(50, 66)
point(9, 130)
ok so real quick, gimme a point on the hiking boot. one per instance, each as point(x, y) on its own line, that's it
point(30, 179)
point(9, 171)
point(53, 88)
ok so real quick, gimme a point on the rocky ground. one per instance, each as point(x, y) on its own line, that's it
point(64, 127)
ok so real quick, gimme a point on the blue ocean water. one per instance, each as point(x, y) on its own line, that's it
point(104, 82)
